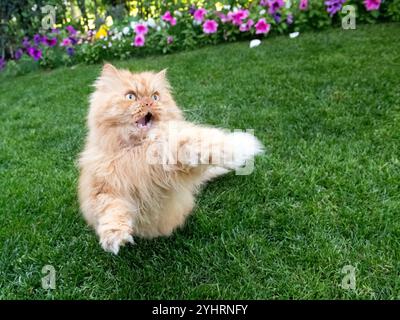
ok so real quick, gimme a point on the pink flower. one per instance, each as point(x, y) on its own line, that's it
point(224, 18)
point(210, 26)
point(170, 39)
point(141, 29)
point(303, 5)
point(262, 26)
point(139, 40)
point(372, 4)
point(238, 16)
point(169, 18)
point(246, 26)
point(66, 42)
point(199, 14)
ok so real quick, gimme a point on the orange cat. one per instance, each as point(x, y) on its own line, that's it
point(143, 163)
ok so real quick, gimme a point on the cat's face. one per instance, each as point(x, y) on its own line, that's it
point(131, 103)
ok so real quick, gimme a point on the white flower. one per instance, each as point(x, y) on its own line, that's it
point(104, 47)
point(151, 23)
point(294, 35)
point(288, 4)
point(34, 7)
point(196, 23)
point(109, 44)
point(227, 7)
point(178, 13)
point(126, 30)
point(255, 43)
point(133, 25)
point(158, 28)
point(262, 12)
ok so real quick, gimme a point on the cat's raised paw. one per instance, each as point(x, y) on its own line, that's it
point(112, 240)
point(244, 147)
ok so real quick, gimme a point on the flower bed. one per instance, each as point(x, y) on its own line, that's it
point(187, 28)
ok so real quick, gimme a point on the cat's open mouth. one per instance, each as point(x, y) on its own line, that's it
point(145, 122)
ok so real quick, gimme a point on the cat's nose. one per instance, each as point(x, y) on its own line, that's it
point(147, 102)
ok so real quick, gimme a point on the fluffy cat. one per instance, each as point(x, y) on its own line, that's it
point(143, 163)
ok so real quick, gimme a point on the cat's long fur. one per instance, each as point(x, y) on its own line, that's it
point(123, 194)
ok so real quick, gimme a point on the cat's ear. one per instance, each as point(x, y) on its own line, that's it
point(162, 79)
point(109, 71)
point(110, 78)
point(162, 74)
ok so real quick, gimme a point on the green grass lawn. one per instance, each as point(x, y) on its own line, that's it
point(326, 194)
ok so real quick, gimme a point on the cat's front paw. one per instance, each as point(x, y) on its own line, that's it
point(244, 146)
point(112, 240)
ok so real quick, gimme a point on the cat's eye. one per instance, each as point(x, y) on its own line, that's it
point(130, 96)
point(155, 97)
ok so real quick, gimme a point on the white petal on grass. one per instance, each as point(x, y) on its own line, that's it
point(125, 30)
point(263, 11)
point(255, 43)
point(294, 35)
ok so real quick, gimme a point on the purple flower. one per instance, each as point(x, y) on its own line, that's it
point(37, 39)
point(70, 30)
point(372, 4)
point(289, 18)
point(170, 39)
point(26, 43)
point(18, 54)
point(192, 9)
point(333, 6)
point(263, 3)
point(70, 51)
point(55, 30)
point(35, 53)
point(90, 33)
point(2, 63)
point(275, 5)
point(49, 42)
point(210, 26)
point(73, 40)
point(277, 17)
